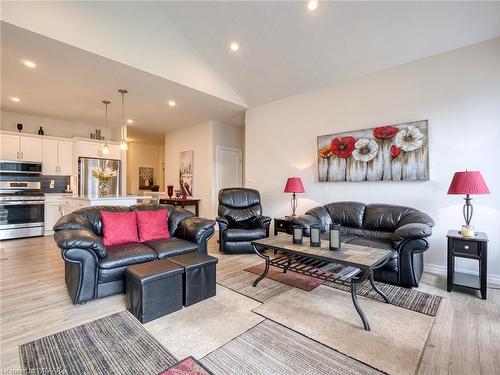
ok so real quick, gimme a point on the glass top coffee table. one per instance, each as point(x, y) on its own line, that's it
point(350, 266)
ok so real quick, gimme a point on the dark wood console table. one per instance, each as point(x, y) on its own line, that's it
point(179, 202)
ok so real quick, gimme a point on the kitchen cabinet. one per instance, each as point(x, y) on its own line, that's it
point(94, 150)
point(53, 211)
point(20, 147)
point(57, 157)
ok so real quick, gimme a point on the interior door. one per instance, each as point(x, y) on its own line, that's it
point(31, 149)
point(9, 147)
point(65, 157)
point(228, 166)
point(49, 163)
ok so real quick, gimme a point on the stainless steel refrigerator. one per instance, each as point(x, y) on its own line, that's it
point(88, 185)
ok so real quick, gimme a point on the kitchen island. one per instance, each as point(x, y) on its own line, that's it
point(70, 204)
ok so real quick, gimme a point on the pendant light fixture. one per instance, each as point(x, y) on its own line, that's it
point(105, 149)
point(123, 144)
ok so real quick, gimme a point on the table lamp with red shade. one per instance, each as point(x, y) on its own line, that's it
point(294, 186)
point(468, 183)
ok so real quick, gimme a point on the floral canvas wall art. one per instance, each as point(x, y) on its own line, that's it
point(146, 178)
point(384, 153)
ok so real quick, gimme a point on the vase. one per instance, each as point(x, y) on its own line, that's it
point(170, 191)
point(104, 188)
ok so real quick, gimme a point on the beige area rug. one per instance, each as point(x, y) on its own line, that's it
point(394, 344)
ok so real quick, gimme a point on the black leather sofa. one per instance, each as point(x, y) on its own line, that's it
point(94, 271)
point(240, 220)
point(403, 230)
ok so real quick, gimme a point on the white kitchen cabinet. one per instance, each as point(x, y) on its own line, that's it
point(20, 147)
point(53, 211)
point(31, 149)
point(9, 147)
point(57, 157)
point(89, 149)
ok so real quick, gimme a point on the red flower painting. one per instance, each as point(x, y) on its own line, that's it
point(343, 147)
point(385, 132)
point(395, 151)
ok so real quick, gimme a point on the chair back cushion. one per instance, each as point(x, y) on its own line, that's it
point(152, 225)
point(239, 204)
point(347, 214)
point(118, 227)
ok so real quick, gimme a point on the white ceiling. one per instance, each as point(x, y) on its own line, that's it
point(286, 50)
point(69, 84)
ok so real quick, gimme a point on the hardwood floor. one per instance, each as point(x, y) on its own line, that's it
point(465, 338)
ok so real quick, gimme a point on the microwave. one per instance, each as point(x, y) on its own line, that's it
point(20, 167)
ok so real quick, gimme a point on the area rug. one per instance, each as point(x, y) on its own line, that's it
point(294, 279)
point(409, 299)
point(327, 315)
point(188, 366)
point(116, 344)
point(241, 282)
point(272, 349)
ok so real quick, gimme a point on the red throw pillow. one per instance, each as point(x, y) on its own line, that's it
point(118, 227)
point(152, 225)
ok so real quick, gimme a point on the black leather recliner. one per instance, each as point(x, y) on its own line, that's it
point(240, 220)
point(403, 230)
point(93, 270)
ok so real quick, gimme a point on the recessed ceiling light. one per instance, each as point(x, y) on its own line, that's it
point(312, 4)
point(28, 63)
point(15, 99)
point(172, 103)
point(234, 46)
point(130, 121)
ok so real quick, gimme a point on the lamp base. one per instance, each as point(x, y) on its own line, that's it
point(467, 231)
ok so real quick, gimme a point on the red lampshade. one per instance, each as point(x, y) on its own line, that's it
point(294, 185)
point(468, 182)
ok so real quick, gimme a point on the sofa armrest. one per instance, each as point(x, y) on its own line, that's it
point(306, 221)
point(194, 228)
point(80, 239)
point(409, 231)
point(72, 222)
point(264, 221)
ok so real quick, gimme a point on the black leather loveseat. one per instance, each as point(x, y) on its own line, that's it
point(403, 230)
point(94, 271)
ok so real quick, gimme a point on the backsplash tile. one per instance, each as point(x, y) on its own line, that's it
point(60, 182)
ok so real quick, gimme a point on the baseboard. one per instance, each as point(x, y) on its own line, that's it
point(442, 270)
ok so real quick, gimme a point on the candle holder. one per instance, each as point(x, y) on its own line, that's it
point(315, 235)
point(297, 234)
point(334, 237)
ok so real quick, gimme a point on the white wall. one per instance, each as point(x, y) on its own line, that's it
point(458, 92)
point(143, 155)
point(198, 138)
point(133, 33)
point(51, 126)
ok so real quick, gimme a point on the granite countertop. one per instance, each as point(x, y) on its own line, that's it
point(111, 197)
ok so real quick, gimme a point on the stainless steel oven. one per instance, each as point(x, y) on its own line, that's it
point(22, 209)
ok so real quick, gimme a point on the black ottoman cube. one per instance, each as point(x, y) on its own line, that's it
point(154, 289)
point(199, 276)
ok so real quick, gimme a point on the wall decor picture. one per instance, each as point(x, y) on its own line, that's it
point(146, 178)
point(385, 153)
point(186, 173)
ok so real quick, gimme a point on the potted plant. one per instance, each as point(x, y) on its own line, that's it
point(104, 176)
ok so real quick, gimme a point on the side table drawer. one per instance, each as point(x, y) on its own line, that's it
point(466, 247)
point(281, 225)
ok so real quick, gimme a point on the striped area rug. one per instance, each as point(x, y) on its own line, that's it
point(272, 349)
point(410, 299)
point(116, 344)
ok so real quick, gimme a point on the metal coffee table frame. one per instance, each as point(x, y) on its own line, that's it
point(310, 266)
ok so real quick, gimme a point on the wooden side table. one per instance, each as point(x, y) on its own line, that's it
point(471, 248)
point(179, 202)
point(282, 224)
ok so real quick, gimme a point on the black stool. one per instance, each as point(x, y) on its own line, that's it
point(154, 289)
point(199, 276)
